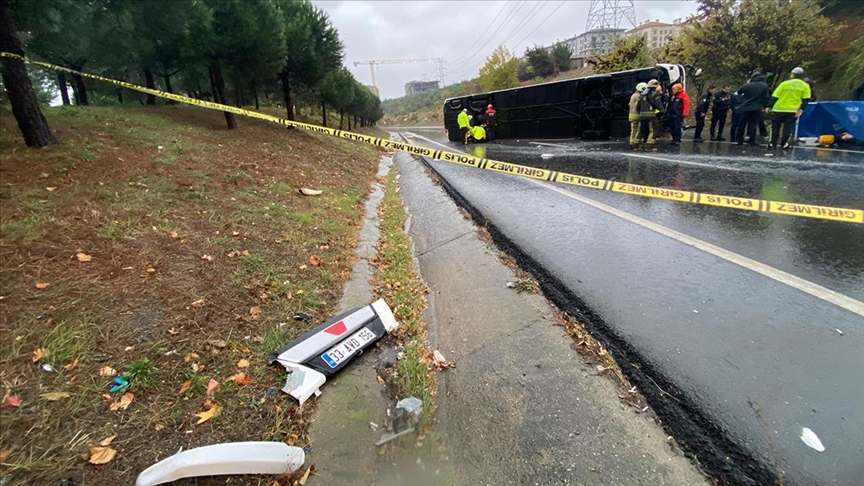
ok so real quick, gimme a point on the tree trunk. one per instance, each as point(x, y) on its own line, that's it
point(61, 83)
point(323, 114)
point(341, 118)
point(19, 89)
point(80, 90)
point(167, 78)
point(257, 107)
point(150, 83)
point(119, 95)
point(355, 122)
point(286, 91)
point(218, 84)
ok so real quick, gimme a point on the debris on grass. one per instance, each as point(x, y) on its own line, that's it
point(101, 455)
point(40, 353)
point(42, 285)
point(10, 401)
point(83, 257)
point(436, 359)
point(107, 371)
point(208, 414)
point(123, 402)
point(310, 192)
point(54, 396)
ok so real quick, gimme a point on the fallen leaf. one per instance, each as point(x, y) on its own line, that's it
point(71, 365)
point(151, 270)
point(54, 396)
point(11, 401)
point(101, 455)
point(244, 253)
point(314, 260)
point(231, 254)
point(72, 380)
point(254, 313)
point(380, 380)
point(42, 285)
point(190, 356)
point(123, 403)
point(83, 257)
point(174, 234)
point(309, 192)
point(240, 378)
point(243, 363)
point(217, 343)
point(173, 331)
point(206, 257)
point(185, 386)
point(212, 386)
point(198, 303)
point(107, 371)
point(40, 353)
point(159, 426)
point(205, 416)
point(235, 233)
point(305, 476)
point(303, 267)
point(4, 454)
point(107, 440)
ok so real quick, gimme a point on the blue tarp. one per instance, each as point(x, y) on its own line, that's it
point(833, 118)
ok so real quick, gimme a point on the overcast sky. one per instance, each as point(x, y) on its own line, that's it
point(464, 33)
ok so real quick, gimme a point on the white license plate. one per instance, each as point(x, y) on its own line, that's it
point(348, 347)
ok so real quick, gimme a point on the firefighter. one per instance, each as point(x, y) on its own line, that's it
point(702, 107)
point(650, 117)
point(633, 116)
point(787, 104)
point(719, 112)
point(464, 121)
point(491, 122)
point(650, 111)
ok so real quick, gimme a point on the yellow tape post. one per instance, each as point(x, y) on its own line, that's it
point(761, 205)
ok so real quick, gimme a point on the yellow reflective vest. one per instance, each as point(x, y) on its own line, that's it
point(462, 119)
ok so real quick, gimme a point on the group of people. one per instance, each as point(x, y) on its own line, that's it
point(648, 110)
point(749, 104)
point(473, 132)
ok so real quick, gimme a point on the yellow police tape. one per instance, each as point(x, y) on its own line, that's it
point(792, 209)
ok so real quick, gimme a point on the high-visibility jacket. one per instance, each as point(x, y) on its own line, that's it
point(478, 133)
point(462, 119)
point(790, 96)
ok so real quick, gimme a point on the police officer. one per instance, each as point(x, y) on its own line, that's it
point(787, 104)
point(718, 113)
point(464, 122)
point(702, 107)
point(754, 99)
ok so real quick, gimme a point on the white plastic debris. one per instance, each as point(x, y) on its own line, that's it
point(839, 331)
point(223, 459)
point(812, 440)
point(510, 285)
point(546, 156)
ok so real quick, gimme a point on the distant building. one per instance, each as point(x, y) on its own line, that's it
point(412, 87)
point(658, 34)
point(594, 42)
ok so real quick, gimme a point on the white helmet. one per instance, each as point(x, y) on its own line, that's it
point(641, 86)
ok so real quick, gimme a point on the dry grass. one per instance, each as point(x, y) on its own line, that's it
point(147, 216)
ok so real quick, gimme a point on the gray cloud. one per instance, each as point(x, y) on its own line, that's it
point(452, 30)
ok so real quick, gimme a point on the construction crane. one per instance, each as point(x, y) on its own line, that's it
point(375, 62)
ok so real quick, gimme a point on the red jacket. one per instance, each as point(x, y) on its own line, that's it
point(686, 99)
point(491, 120)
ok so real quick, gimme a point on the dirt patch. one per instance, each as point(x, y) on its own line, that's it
point(199, 251)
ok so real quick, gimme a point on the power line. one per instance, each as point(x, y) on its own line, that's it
point(480, 37)
point(526, 21)
point(541, 23)
point(492, 36)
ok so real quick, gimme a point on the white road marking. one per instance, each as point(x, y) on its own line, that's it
point(676, 161)
point(798, 283)
point(806, 286)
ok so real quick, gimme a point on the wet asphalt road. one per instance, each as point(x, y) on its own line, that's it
point(728, 337)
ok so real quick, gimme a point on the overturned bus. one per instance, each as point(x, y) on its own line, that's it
point(593, 107)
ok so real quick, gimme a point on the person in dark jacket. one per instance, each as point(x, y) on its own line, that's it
point(491, 122)
point(676, 112)
point(754, 100)
point(719, 110)
point(702, 107)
